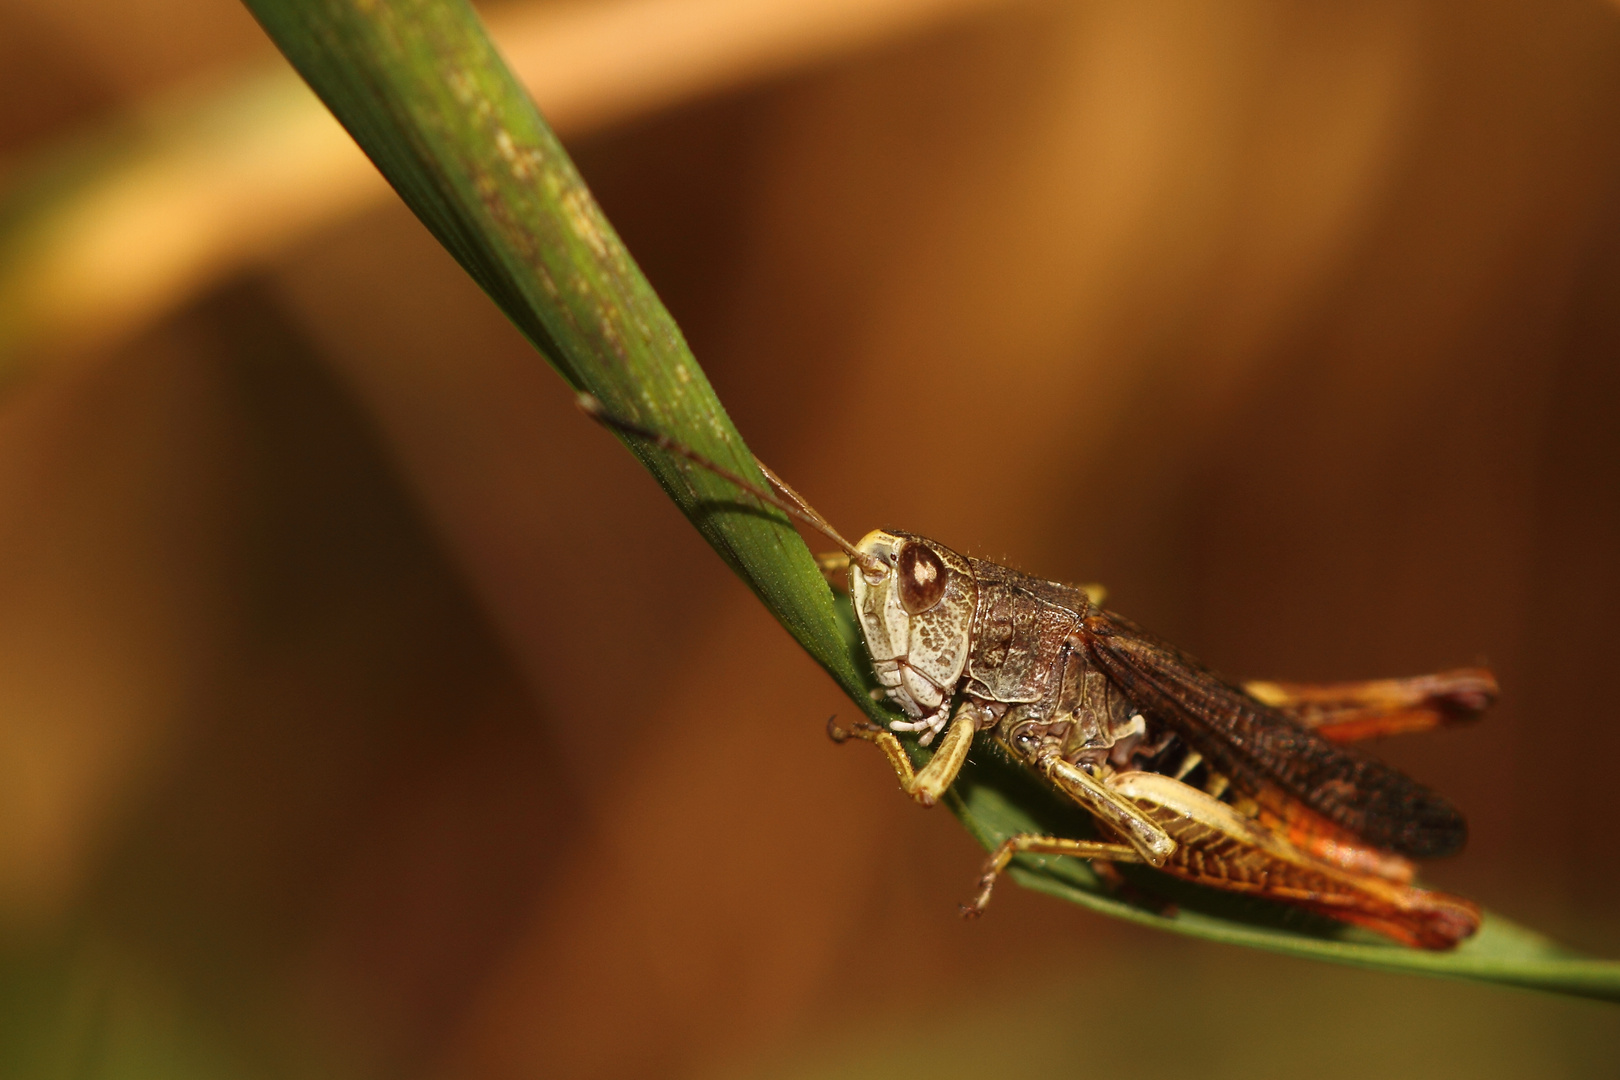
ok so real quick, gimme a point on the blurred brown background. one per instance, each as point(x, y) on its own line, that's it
point(364, 712)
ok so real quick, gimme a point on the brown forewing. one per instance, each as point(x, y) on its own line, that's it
point(1260, 749)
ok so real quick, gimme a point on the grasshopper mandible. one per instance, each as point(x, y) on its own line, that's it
point(1247, 788)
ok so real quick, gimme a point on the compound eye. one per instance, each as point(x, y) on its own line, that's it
point(921, 578)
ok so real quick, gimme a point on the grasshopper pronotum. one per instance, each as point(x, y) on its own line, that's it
point(1247, 788)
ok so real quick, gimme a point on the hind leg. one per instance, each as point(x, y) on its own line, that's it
point(1221, 848)
point(1349, 711)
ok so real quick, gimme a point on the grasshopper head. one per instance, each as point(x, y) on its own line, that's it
point(914, 600)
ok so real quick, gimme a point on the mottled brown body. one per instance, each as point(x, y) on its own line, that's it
point(1028, 653)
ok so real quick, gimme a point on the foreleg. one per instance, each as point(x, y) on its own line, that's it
point(927, 785)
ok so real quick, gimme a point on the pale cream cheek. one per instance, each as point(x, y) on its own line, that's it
point(916, 664)
point(884, 624)
point(921, 690)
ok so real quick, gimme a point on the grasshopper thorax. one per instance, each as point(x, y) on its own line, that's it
point(914, 599)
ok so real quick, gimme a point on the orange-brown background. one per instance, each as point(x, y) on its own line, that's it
point(364, 712)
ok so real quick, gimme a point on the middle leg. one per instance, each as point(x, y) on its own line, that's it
point(1034, 844)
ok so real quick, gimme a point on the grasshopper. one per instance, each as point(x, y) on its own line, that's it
point(1249, 788)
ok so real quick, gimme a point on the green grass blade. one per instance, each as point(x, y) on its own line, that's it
point(419, 86)
point(422, 90)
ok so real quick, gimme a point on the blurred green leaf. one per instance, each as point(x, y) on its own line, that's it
point(421, 89)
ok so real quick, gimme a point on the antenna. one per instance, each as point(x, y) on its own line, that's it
point(794, 505)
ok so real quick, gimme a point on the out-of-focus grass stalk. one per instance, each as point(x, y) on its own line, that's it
point(419, 86)
point(103, 235)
